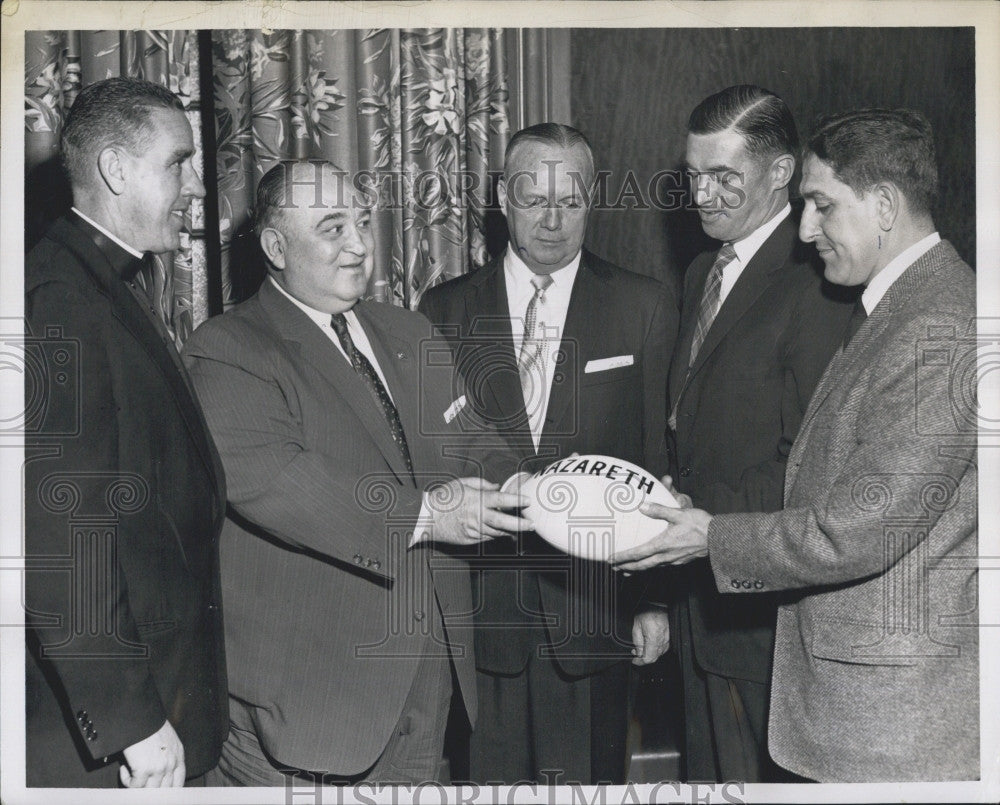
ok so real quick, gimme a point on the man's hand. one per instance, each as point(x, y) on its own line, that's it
point(685, 539)
point(155, 762)
point(465, 511)
point(684, 501)
point(651, 636)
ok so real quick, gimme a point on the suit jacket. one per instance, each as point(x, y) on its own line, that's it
point(619, 412)
point(124, 501)
point(738, 411)
point(876, 660)
point(328, 613)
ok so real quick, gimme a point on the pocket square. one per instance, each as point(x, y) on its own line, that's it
point(453, 409)
point(603, 364)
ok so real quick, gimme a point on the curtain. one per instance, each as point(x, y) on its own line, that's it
point(58, 64)
point(422, 113)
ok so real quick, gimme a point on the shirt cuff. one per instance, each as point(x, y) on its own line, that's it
point(423, 529)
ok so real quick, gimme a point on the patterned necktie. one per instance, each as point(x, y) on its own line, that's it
point(531, 361)
point(858, 316)
point(711, 299)
point(367, 372)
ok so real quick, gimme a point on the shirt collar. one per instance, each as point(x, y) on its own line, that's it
point(321, 318)
point(747, 247)
point(881, 282)
point(110, 235)
point(518, 270)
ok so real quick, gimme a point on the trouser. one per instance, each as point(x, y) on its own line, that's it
point(542, 725)
point(725, 721)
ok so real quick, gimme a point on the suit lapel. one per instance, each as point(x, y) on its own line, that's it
point(399, 362)
point(692, 301)
point(579, 342)
point(317, 351)
point(487, 326)
point(876, 324)
point(127, 311)
point(755, 277)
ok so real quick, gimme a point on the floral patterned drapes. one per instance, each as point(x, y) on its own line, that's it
point(423, 113)
point(58, 64)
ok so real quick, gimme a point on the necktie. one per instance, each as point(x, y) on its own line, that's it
point(367, 372)
point(711, 301)
point(858, 316)
point(531, 361)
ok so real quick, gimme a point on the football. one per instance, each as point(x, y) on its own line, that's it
point(588, 506)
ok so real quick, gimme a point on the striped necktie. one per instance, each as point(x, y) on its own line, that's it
point(531, 361)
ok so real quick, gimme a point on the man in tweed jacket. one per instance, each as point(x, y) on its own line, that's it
point(876, 658)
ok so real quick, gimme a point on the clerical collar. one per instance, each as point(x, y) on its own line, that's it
point(125, 260)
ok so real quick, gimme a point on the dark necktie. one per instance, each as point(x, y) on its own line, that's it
point(367, 372)
point(858, 316)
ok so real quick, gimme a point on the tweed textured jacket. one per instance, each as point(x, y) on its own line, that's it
point(876, 662)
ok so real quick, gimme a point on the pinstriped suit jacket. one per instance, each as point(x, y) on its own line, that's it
point(326, 611)
point(876, 664)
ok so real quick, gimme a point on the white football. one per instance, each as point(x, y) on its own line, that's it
point(588, 506)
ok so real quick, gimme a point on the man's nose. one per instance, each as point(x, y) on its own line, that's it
point(552, 218)
point(192, 182)
point(807, 224)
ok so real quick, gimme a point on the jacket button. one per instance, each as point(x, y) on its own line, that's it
point(358, 559)
point(376, 564)
point(735, 584)
point(81, 716)
point(92, 736)
point(758, 585)
point(418, 616)
point(685, 472)
point(746, 585)
point(369, 563)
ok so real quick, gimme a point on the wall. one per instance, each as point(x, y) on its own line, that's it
point(633, 89)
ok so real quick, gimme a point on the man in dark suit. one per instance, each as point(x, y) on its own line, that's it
point(347, 614)
point(124, 493)
point(758, 327)
point(876, 656)
point(564, 353)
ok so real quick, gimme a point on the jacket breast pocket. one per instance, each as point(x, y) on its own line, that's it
point(619, 374)
point(858, 644)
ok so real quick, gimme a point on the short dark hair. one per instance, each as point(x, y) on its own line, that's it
point(274, 187)
point(114, 111)
point(867, 146)
point(548, 134)
point(758, 115)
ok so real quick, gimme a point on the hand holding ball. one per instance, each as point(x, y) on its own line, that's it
point(588, 506)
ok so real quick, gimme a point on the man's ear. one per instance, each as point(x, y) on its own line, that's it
point(272, 242)
point(782, 169)
point(888, 202)
point(112, 169)
point(502, 196)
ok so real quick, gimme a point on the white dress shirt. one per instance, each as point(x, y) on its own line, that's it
point(881, 282)
point(550, 320)
point(745, 250)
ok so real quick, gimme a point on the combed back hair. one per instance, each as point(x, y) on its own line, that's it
point(758, 115)
point(275, 188)
point(113, 112)
point(867, 146)
point(557, 134)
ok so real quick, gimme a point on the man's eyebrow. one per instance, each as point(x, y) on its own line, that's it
point(181, 154)
point(335, 217)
